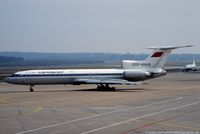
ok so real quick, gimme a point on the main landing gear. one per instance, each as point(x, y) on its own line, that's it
point(105, 87)
point(31, 88)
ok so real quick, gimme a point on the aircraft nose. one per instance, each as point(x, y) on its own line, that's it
point(7, 79)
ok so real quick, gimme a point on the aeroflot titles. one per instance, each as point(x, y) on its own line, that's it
point(51, 72)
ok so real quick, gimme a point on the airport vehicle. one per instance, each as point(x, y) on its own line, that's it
point(191, 67)
point(131, 72)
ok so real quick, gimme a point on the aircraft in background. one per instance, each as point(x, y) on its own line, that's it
point(191, 67)
point(131, 72)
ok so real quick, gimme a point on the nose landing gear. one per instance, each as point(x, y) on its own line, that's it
point(31, 88)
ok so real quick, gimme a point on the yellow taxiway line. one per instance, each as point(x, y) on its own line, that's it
point(171, 125)
point(35, 110)
point(3, 100)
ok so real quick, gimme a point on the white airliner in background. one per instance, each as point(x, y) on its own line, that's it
point(130, 73)
point(191, 67)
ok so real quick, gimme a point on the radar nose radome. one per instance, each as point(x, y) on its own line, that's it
point(7, 79)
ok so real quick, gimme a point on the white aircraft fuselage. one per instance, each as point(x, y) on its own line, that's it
point(78, 76)
point(130, 73)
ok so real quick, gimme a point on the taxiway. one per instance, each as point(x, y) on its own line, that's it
point(167, 104)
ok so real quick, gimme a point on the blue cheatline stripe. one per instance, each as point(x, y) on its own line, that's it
point(39, 75)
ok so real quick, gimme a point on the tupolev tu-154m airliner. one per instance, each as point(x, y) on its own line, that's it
point(132, 72)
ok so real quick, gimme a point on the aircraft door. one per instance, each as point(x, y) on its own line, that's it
point(94, 75)
point(71, 74)
point(27, 80)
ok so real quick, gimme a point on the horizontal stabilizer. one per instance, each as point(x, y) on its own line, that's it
point(168, 47)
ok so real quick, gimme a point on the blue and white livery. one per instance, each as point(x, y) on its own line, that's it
point(131, 72)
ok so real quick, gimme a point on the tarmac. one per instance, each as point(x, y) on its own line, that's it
point(167, 105)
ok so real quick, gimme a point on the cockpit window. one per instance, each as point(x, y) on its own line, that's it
point(14, 75)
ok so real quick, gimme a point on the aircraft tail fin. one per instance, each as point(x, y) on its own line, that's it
point(160, 54)
point(194, 62)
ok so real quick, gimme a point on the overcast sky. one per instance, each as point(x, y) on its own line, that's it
point(115, 26)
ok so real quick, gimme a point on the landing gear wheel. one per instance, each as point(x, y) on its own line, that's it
point(113, 88)
point(31, 88)
point(105, 87)
point(100, 87)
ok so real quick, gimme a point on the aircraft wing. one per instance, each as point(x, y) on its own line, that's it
point(107, 81)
